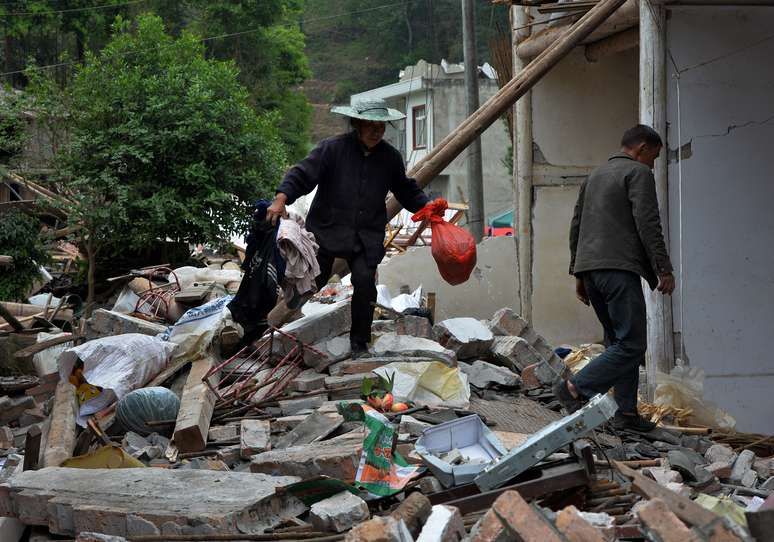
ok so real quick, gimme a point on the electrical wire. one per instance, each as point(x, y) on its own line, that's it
point(71, 10)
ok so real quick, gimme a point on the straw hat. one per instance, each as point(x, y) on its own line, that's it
point(369, 109)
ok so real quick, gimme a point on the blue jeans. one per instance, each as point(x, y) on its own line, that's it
point(619, 303)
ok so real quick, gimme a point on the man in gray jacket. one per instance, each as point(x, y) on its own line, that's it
point(616, 238)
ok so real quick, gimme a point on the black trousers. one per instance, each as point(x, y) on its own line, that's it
point(619, 303)
point(364, 285)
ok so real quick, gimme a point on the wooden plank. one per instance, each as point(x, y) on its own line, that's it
point(32, 448)
point(39, 347)
point(685, 509)
point(196, 407)
point(60, 442)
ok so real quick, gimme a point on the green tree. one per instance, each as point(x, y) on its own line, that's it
point(163, 143)
point(20, 238)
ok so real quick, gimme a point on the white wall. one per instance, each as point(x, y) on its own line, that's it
point(580, 111)
point(727, 115)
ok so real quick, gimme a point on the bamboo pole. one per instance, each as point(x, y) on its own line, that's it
point(472, 127)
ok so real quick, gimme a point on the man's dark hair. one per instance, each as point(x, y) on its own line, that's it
point(641, 134)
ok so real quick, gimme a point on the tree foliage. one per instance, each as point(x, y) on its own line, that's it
point(362, 46)
point(20, 238)
point(163, 142)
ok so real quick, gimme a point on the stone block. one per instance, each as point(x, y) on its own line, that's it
point(104, 323)
point(721, 469)
point(218, 433)
point(333, 458)
point(345, 381)
point(571, 524)
point(405, 345)
point(334, 349)
point(661, 524)
point(506, 322)
point(380, 529)
point(416, 326)
point(339, 513)
point(720, 452)
point(255, 437)
point(12, 408)
point(412, 426)
point(466, 337)
point(445, 524)
point(70, 501)
point(482, 374)
point(290, 407)
point(308, 380)
point(742, 466)
point(413, 511)
point(514, 352)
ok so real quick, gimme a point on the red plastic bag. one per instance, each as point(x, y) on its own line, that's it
point(453, 249)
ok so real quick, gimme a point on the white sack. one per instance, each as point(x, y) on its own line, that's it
point(193, 333)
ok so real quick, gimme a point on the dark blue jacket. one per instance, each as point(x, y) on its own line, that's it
point(352, 187)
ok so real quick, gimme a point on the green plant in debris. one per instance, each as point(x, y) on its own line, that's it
point(20, 239)
point(163, 144)
point(13, 127)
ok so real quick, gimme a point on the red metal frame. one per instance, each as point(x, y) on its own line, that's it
point(157, 298)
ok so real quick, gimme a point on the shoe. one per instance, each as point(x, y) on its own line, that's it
point(563, 395)
point(632, 422)
point(358, 350)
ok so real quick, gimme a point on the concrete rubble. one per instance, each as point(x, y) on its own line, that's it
point(264, 443)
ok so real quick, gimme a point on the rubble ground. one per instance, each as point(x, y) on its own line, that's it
point(446, 431)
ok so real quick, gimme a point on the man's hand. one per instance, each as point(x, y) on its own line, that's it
point(277, 208)
point(666, 284)
point(580, 291)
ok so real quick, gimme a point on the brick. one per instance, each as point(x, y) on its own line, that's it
point(523, 521)
point(576, 529)
point(254, 436)
point(514, 352)
point(290, 407)
point(218, 433)
point(660, 523)
point(466, 337)
point(380, 529)
point(721, 469)
point(308, 380)
point(489, 529)
point(339, 513)
point(413, 511)
point(507, 322)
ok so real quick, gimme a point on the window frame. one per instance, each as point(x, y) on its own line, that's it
point(414, 126)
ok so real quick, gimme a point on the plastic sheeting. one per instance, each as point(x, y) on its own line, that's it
point(193, 333)
point(428, 383)
point(147, 405)
point(684, 388)
point(117, 364)
point(400, 302)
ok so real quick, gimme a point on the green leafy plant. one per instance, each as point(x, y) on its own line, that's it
point(20, 239)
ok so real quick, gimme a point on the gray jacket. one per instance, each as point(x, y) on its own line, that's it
point(616, 224)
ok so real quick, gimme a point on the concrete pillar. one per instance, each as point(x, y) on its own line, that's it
point(522, 167)
point(660, 356)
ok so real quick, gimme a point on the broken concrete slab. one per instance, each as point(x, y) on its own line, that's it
point(339, 513)
point(380, 529)
point(467, 337)
point(444, 524)
point(255, 437)
point(290, 407)
point(322, 323)
point(366, 365)
point(105, 323)
point(308, 380)
point(196, 407)
point(333, 458)
point(506, 322)
point(481, 374)
point(391, 344)
point(60, 441)
point(314, 427)
point(514, 352)
point(70, 501)
point(333, 349)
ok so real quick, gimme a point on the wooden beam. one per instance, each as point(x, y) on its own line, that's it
point(60, 442)
point(196, 407)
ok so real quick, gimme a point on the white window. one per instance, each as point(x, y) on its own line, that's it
point(419, 125)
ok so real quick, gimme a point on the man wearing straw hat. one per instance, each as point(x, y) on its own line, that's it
point(353, 173)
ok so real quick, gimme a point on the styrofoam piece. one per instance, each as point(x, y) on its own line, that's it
point(471, 437)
